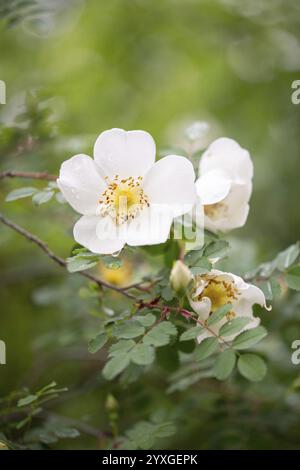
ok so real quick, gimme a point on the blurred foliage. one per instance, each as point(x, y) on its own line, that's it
point(72, 69)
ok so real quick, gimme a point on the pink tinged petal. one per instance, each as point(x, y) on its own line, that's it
point(150, 227)
point(213, 187)
point(122, 153)
point(226, 154)
point(171, 182)
point(87, 230)
point(81, 184)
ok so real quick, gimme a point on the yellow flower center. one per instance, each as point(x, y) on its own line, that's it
point(123, 199)
point(219, 291)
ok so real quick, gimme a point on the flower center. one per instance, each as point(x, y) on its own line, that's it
point(214, 211)
point(220, 292)
point(123, 199)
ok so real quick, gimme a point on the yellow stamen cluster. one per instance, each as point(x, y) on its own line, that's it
point(219, 291)
point(123, 199)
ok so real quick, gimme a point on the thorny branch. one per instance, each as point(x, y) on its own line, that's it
point(166, 309)
point(60, 261)
point(28, 175)
point(121, 290)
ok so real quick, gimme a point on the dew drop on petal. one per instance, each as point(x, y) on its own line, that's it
point(116, 253)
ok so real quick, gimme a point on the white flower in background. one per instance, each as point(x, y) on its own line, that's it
point(123, 195)
point(217, 288)
point(225, 185)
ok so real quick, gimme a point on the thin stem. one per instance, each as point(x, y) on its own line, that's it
point(185, 313)
point(28, 175)
point(203, 324)
point(58, 260)
point(140, 285)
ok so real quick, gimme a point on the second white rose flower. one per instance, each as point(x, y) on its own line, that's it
point(225, 184)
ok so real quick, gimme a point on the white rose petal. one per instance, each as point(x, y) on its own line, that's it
point(86, 232)
point(226, 154)
point(118, 152)
point(81, 183)
point(166, 183)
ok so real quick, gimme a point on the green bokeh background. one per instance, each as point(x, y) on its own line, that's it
point(153, 65)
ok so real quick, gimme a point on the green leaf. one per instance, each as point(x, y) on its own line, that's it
point(292, 278)
point(97, 342)
point(156, 337)
point(202, 266)
point(250, 337)
point(67, 433)
point(167, 293)
point(142, 354)
point(287, 257)
point(27, 400)
point(275, 287)
point(266, 287)
point(47, 437)
point(271, 288)
point(115, 366)
point(81, 262)
point(193, 256)
point(111, 262)
point(20, 193)
point(121, 347)
point(216, 249)
point(252, 367)
point(146, 320)
point(219, 314)
point(130, 329)
point(160, 334)
point(165, 430)
point(142, 434)
point(80, 250)
point(224, 364)
point(234, 326)
point(191, 333)
point(206, 348)
point(168, 328)
point(42, 197)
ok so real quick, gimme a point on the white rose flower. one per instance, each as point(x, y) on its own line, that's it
point(224, 186)
point(217, 288)
point(123, 195)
